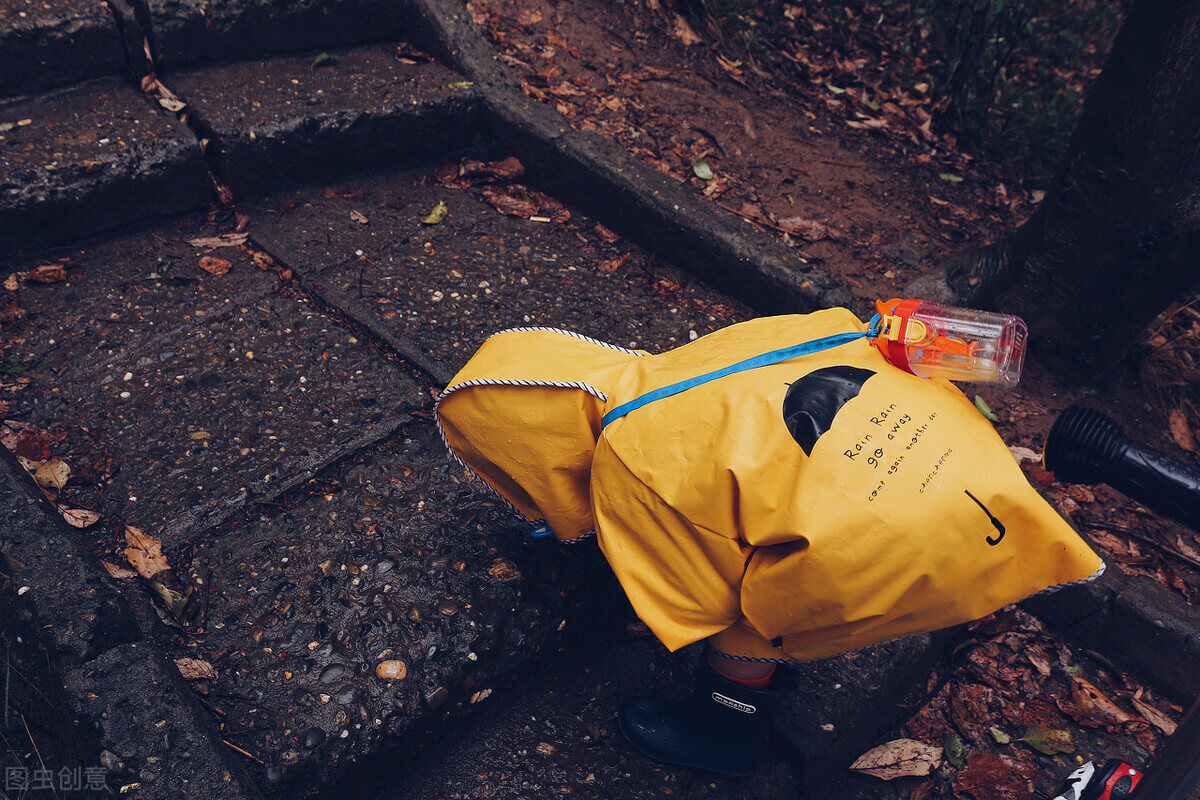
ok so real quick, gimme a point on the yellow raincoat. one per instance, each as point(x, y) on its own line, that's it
point(792, 507)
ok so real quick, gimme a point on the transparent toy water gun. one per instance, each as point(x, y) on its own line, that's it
point(931, 340)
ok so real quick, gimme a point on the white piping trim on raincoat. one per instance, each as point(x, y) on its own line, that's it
point(573, 335)
point(1051, 589)
point(593, 391)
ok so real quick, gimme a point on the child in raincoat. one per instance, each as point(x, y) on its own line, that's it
point(779, 504)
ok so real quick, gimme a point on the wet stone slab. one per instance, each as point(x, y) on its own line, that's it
point(205, 390)
point(364, 608)
point(555, 735)
point(91, 158)
point(450, 285)
point(291, 120)
point(47, 43)
point(191, 31)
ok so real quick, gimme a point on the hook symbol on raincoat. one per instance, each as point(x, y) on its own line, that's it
point(999, 526)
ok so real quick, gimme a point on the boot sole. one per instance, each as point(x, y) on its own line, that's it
point(685, 764)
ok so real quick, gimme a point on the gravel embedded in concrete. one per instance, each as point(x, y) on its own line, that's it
point(367, 605)
point(450, 285)
point(191, 31)
point(206, 389)
point(301, 118)
point(48, 43)
point(89, 159)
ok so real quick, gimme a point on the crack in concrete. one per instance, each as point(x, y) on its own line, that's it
point(136, 30)
point(370, 325)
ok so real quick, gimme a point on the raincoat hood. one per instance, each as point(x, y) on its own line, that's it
point(825, 501)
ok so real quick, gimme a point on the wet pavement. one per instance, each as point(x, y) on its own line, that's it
point(90, 158)
point(555, 735)
point(48, 43)
point(367, 606)
point(352, 588)
point(450, 285)
point(320, 116)
point(205, 391)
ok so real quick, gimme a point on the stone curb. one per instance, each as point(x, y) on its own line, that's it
point(1133, 621)
point(842, 704)
point(122, 701)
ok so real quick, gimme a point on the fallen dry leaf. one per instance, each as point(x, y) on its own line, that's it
point(508, 203)
point(359, 217)
point(79, 517)
point(52, 474)
point(551, 208)
point(1181, 432)
point(529, 17)
point(215, 266)
point(47, 273)
point(1155, 717)
point(470, 173)
point(144, 553)
point(195, 669)
point(989, 776)
point(805, 228)
point(224, 240)
point(120, 573)
point(605, 234)
point(899, 758)
point(25, 440)
point(12, 283)
point(684, 32)
point(1023, 454)
point(1094, 708)
point(613, 264)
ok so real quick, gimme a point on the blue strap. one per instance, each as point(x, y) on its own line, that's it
point(764, 360)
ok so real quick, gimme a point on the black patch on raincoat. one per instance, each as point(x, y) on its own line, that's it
point(812, 402)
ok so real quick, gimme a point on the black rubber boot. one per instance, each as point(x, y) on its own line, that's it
point(721, 729)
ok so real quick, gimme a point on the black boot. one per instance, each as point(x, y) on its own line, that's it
point(721, 729)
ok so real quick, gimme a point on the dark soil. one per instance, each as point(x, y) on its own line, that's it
point(883, 214)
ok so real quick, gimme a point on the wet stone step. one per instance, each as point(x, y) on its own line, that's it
point(48, 43)
point(187, 393)
point(450, 285)
point(555, 735)
point(291, 120)
point(366, 607)
point(91, 158)
point(191, 31)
